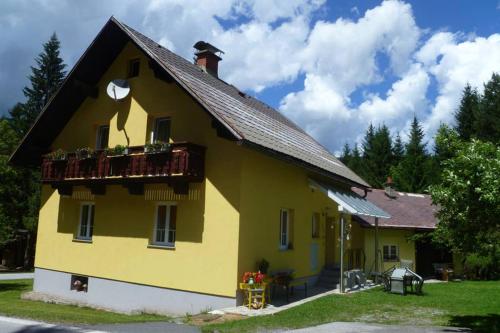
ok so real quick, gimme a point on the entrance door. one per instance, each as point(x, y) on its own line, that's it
point(329, 241)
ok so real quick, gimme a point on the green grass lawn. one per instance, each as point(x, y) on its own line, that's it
point(12, 305)
point(464, 304)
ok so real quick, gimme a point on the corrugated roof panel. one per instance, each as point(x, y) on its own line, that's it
point(351, 201)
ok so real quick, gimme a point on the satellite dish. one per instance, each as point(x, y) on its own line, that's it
point(118, 89)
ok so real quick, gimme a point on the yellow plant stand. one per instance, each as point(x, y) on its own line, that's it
point(254, 295)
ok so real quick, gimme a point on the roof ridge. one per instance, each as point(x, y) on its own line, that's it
point(252, 119)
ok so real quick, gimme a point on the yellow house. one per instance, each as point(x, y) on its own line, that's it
point(163, 184)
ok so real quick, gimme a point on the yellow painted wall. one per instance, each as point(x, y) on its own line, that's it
point(207, 227)
point(389, 237)
point(268, 185)
point(224, 230)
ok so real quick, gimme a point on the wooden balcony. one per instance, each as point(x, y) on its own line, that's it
point(182, 164)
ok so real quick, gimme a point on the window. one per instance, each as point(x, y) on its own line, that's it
point(133, 68)
point(391, 253)
point(102, 137)
point(161, 131)
point(86, 226)
point(79, 283)
point(315, 225)
point(165, 225)
point(286, 229)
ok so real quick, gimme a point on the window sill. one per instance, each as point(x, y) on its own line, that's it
point(161, 246)
point(81, 240)
point(391, 260)
point(285, 249)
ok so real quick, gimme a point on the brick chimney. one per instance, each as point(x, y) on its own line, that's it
point(207, 57)
point(389, 189)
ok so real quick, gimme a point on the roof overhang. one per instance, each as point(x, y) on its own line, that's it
point(352, 202)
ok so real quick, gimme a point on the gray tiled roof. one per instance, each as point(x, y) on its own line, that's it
point(245, 116)
point(407, 210)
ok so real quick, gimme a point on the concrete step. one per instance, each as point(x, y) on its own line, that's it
point(328, 285)
point(330, 273)
point(323, 279)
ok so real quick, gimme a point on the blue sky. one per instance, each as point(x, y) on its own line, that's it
point(331, 66)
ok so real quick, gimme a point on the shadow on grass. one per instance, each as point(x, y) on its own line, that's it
point(481, 324)
point(12, 286)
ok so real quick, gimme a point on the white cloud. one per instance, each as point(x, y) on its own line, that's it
point(405, 99)
point(341, 57)
point(471, 61)
point(381, 55)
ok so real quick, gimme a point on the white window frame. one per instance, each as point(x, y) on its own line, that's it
point(98, 136)
point(89, 223)
point(155, 127)
point(284, 236)
point(166, 242)
point(392, 256)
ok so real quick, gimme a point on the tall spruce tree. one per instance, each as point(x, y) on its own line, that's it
point(20, 186)
point(487, 124)
point(356, 161)
point(398, 150)
point(377, 155)
point(411, 174)
point(467, 112)
point(45, 79)
point(345, 157)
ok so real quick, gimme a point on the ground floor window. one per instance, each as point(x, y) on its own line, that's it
point(391, 253)
point(286, 229)
point(165, 224)
point(86, 226)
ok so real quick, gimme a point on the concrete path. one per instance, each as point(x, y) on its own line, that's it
point(14, 325)
point(341, 327)
point(16, 276)
point(159, 327)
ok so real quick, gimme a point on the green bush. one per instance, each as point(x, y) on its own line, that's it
point(479, 266)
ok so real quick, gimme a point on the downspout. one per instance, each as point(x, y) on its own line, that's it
point(341, 210)
point(376, 251)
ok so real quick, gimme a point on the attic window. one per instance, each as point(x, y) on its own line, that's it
point(133, 68)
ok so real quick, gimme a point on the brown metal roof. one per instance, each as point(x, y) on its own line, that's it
point(407, 210)
point(246, 118)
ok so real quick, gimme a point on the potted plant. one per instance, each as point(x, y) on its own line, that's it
point(58, 155)
point(263, 266)
point(85, 153)
point(117, 151)
point(157, 148)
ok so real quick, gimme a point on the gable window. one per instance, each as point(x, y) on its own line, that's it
point(286, 229)
point(102, 137)
point(315, 225)
point(161, 131)
point(165, 225)
point(133, 68)
point(86, 226)
point(391, 253)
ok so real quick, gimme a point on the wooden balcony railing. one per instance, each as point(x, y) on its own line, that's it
point(184, 161)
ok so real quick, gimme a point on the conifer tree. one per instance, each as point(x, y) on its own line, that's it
point(411, 174)
point(345, 157)
point(356, 161)
point(20, 186)
point(467, 112)
point(45, 79)
point(398, 150)
point(487, 124)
